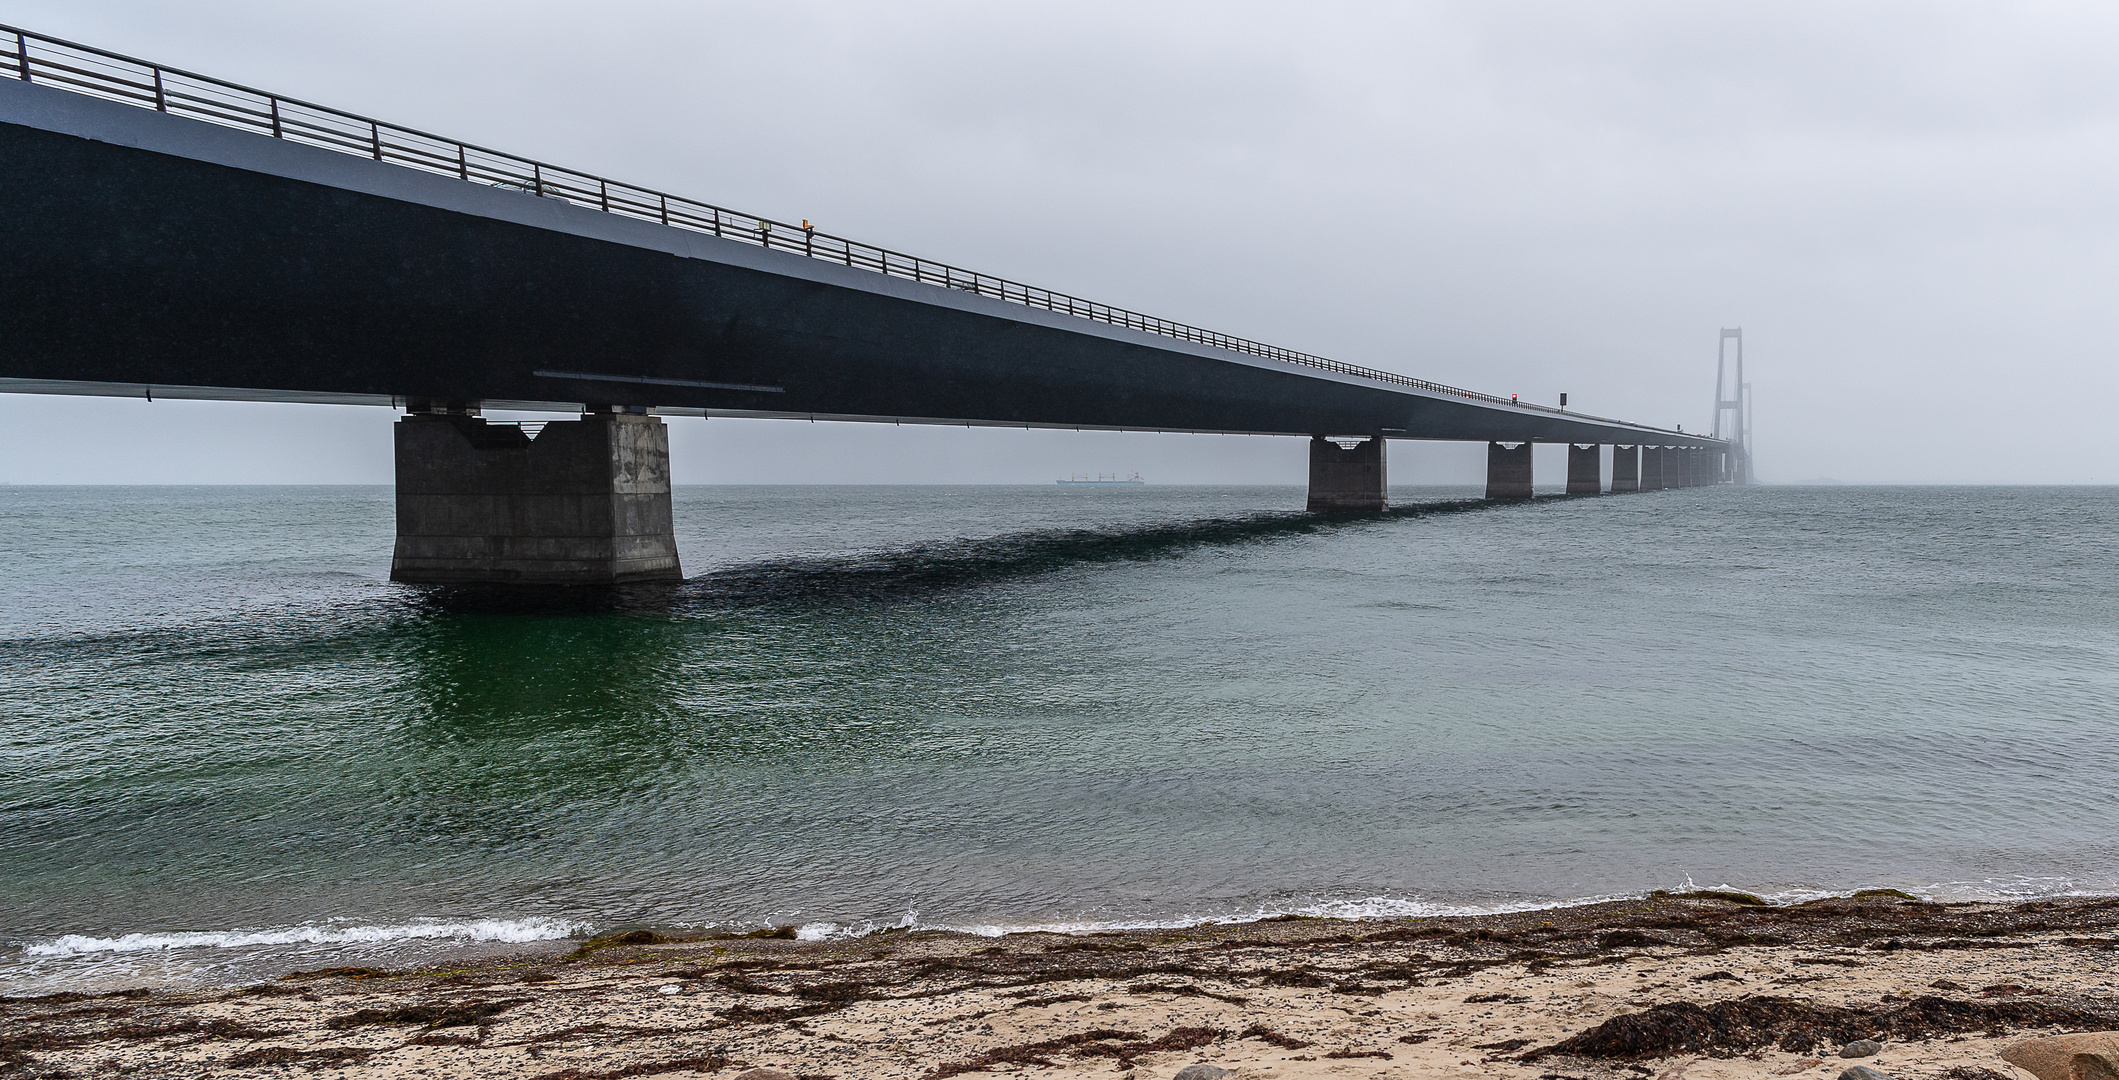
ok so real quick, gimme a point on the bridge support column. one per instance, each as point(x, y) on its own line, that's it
point(587, 502)
point(1508, 470)
point(1351, 480)
point(1652, 468)
point(1585, 469)
point(1625, 468)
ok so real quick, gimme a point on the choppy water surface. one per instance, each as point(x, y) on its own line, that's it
point(232, 748)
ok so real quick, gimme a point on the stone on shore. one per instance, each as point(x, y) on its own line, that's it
point(1863, 1072)
point(1861, 1048)
point(763, 1074)
point(2093, 1067)
point(2053, 1057)
point(1201, 1071)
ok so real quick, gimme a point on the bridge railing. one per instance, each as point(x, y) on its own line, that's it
point(83, 69)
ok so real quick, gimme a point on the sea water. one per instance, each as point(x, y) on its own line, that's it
point(232, 748)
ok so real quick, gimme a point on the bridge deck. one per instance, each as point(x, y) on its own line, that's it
point(155, 253)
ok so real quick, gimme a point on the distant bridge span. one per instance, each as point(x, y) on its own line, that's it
point(171, 235)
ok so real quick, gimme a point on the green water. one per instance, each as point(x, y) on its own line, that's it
point(233, 748)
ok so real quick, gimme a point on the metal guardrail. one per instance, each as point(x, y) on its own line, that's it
point(98, 73)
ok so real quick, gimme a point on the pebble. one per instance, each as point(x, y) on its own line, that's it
point(672, 988)
point(1201, 1071)
point(1859, 1072)
point(763, 1074)
point(1861, 1048)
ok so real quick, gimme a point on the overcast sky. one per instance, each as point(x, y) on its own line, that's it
point(1908, 207)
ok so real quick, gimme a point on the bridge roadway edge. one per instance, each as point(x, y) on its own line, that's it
point(925, 353)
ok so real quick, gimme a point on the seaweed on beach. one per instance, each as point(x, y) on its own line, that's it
point(1180, 990)
point(45, 1039)
point(1031, 1001)
point(329, 1057)
point(432, 1016)
point(835, 991)
point(1944, 944)
point(1097, 1042)
point(745, 1014)
point(208, 1029)
point(1422, 933)
point(1727, 1028)
point(1268, 1035)
point(695, 1063)
point(337, 973)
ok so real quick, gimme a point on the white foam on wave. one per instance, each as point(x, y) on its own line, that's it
point(1372, 907)
point(1399, 907)
point(496, 930)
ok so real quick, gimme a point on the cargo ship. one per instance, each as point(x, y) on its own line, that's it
point(1100, 480)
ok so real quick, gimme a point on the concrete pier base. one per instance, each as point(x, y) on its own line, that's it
point(1625, 468)
point(1347, 481)
point(587, 502)
point(1652, 458)
point(1508, 470)
point(1585, 469)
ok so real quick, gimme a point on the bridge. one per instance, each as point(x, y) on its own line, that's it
point(172, 235)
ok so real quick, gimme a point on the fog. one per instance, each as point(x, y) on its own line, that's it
point(1907, 207)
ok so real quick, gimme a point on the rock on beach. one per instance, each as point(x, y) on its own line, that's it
point(1200, 1072)
point(2056, 1057)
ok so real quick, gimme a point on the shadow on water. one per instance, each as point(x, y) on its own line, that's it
point(920, 571)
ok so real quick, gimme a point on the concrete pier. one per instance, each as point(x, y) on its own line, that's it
point(1585, 469)
point(1508, 470)
point(587, 502)
point(1652, 458)
point(1347, 481)
point(1625, 468)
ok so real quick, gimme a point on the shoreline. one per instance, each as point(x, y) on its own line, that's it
point(1693, 987)
point(426, 944)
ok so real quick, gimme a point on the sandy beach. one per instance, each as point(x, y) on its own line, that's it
point(1697, 987)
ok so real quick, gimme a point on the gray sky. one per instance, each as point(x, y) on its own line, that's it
point(1908, 207)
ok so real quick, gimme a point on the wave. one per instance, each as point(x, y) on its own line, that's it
point(522, 931)
point(1373, 907)
point(1398, 907)
point(499, 930)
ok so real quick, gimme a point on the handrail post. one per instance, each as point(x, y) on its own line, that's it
point(463, 163)
point(375, 138)
point(276, 118)
point(603, 189)
point(22, 54)
point(537, 179)
point(665, 208)
point(161, 98)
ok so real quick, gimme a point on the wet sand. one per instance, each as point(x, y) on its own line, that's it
point(1695, 987)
